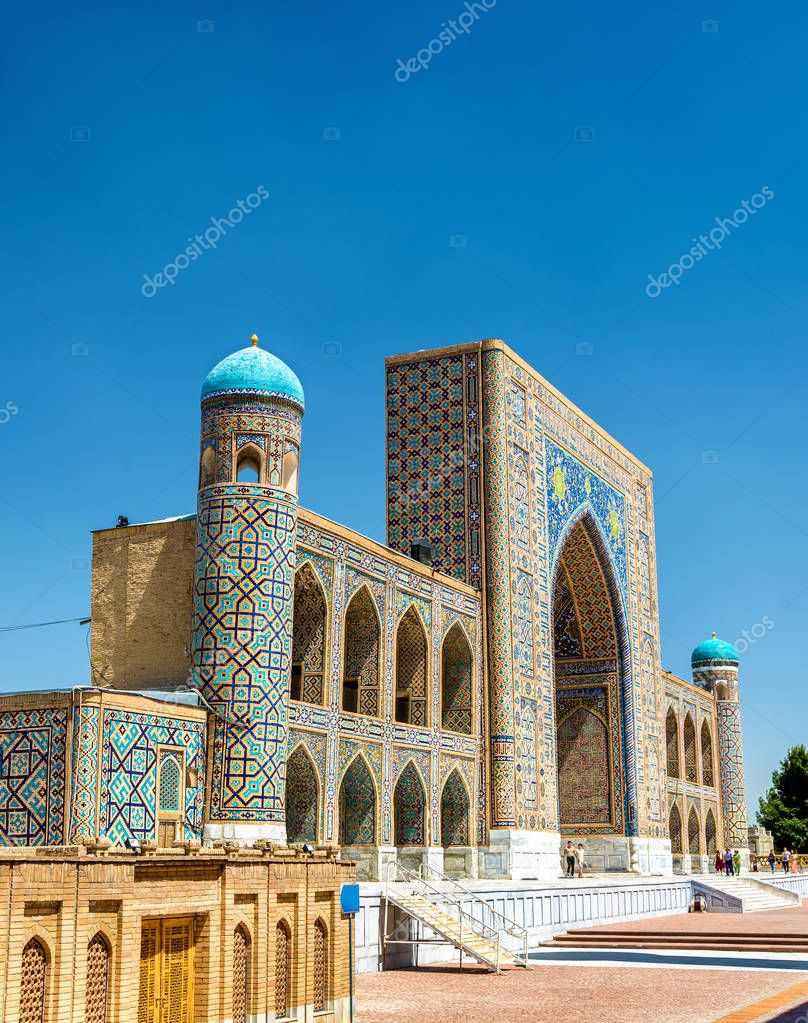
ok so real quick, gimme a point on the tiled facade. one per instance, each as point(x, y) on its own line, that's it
point(503, 697)
point(694, 787)
point(576, 697)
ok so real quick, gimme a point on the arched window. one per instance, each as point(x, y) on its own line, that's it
point(709, 833)
point(283, 969)
point(454, 812)
point(248, 464)
point(207, 467)
point(672, 742)
point(411, 672)
point(33, 982)
point(357, 806)
point(241, 975)
point(302, 797)
point(691, 760)
point(707, 776)
point(291, 457)
point(360, 682)
point(675, 830)
point(97, 993)
point(409, 806)
point(720, 691)
point(308, 637)
point(320, 992)
point(170, 798)
point(693, 832)
point(456, 682)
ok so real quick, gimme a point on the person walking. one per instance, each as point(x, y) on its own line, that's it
point(569, 855)
point(581, 859)
point(719, 862)
point(772, 860)
point(729, 863)
point(786, 859)
point(736, 863)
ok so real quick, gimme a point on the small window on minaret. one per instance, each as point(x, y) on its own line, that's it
point(248, 466)
point(290, 460)
point(207, 470)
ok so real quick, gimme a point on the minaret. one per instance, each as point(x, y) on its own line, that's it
point(715, 668)
point(252, 410)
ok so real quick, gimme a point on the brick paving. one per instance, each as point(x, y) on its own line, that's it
point(572, 994)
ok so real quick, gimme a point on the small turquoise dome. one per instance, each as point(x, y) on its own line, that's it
point(713, 650)
point(254, 370)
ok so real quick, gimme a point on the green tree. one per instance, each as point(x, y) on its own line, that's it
point(784, 808)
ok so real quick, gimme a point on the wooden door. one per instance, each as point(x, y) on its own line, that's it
point(166, 971)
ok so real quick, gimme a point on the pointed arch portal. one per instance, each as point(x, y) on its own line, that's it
point(589, 650)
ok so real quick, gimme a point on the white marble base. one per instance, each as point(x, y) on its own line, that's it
point(413, 857)
point(372, 861)
point(244, 833)
point(460, 861)
point(651, 856)
point(521, 855)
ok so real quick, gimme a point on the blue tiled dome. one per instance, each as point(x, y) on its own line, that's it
point(712, 650)
point(253, 370)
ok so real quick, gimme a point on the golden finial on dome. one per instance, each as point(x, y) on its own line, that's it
point(254, 340)
point(713, 635)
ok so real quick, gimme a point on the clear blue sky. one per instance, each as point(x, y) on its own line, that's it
point(370, 179)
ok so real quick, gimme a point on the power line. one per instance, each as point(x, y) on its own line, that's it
point(40, 625)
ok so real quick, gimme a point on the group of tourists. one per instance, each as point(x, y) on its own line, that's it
point(574, 859)
point(728, 862)
point(788, 859)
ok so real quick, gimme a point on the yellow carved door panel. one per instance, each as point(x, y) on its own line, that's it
point(166, 971)
point(147, 1007)
point(175, 995)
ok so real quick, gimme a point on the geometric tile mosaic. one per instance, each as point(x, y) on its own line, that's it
point(32, 776)
point(129, 769)
point(242, 645)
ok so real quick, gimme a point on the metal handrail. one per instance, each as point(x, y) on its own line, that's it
point(509, 926)
point(477, 927)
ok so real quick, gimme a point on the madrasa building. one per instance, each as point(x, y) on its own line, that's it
point(468, 697)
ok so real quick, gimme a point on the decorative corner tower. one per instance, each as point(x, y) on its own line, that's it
point(252, 411)
point(715, 668)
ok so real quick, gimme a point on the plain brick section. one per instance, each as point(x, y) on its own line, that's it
point(572, 994)
point(142, 590)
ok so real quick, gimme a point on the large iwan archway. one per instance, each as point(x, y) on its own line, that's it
point(588, 649)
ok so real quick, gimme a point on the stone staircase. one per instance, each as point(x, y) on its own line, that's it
point(755, 895)
point(486, 951)
point(438, 903)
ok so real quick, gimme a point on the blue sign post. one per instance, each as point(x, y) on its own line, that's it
point(349, 901)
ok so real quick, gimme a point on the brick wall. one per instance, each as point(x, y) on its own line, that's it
point(64, 897)
point(142, 583)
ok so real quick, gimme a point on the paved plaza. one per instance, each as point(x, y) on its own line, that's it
point(603, 985)
point(582, 994)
